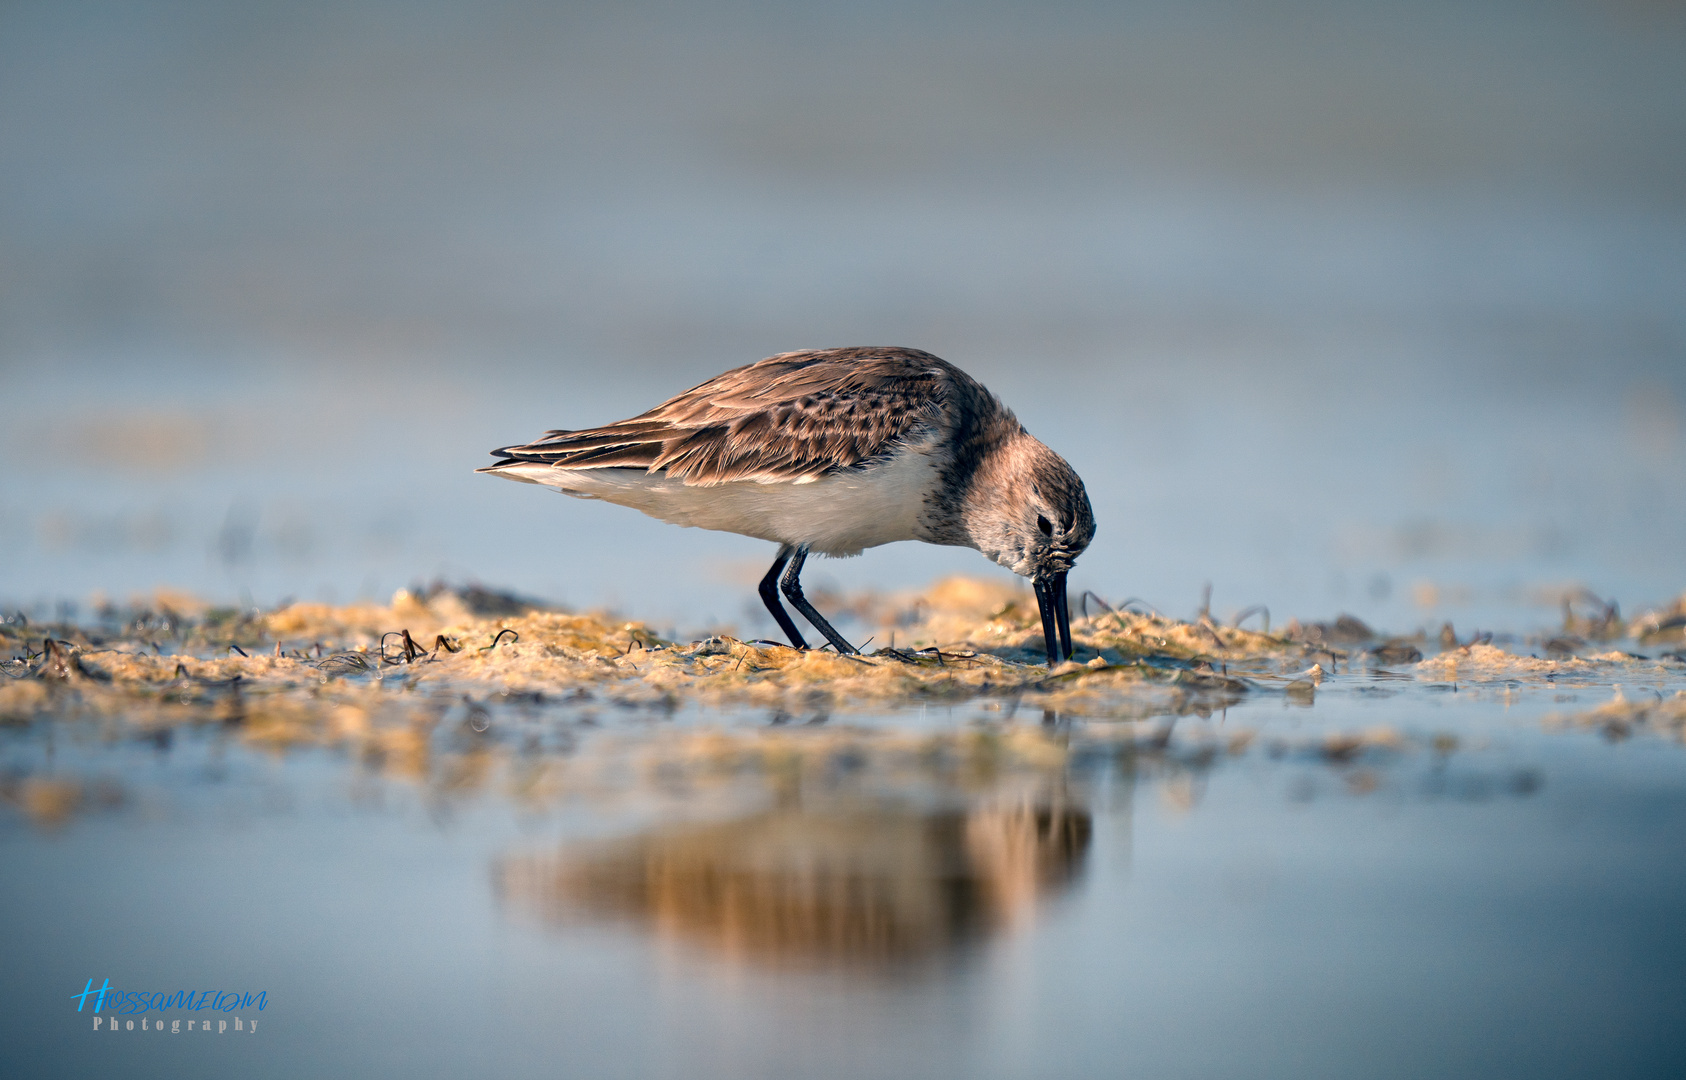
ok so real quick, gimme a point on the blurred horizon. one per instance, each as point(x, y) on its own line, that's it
point(1334, 308)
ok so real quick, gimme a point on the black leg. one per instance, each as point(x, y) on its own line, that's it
point(791, 585)
point(769, 590)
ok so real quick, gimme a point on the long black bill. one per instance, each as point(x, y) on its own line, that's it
point(1062, 612)
point(1056, 616)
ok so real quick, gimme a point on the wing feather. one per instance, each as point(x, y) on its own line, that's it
point(787, 417)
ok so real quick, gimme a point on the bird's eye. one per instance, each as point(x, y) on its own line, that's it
point(1043, 524)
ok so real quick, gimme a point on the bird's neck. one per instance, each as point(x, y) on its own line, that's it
point(972, 482)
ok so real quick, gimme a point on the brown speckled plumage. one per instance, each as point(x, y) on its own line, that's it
point(789, 416)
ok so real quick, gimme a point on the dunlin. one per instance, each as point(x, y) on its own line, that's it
point(835, 451)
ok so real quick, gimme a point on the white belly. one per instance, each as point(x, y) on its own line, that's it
point(840, 514)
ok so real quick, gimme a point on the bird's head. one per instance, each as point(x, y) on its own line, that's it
point(1027, 510)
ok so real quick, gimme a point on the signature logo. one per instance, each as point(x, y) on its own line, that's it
point(115, 1003)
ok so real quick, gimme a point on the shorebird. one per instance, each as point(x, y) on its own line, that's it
point(834, 451)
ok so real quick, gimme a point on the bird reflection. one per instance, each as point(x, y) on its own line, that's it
point(858, 886)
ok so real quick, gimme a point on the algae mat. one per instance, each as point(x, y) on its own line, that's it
point(463, 689)
point(284, 674)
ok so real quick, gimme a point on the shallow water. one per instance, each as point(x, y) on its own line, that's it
point(1400, 879)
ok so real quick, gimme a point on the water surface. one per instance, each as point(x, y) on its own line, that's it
point(1398, 880)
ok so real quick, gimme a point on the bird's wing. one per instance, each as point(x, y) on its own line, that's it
point(789, 417)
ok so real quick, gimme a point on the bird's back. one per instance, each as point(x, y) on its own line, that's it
point(839, 449)
point(789, 417)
